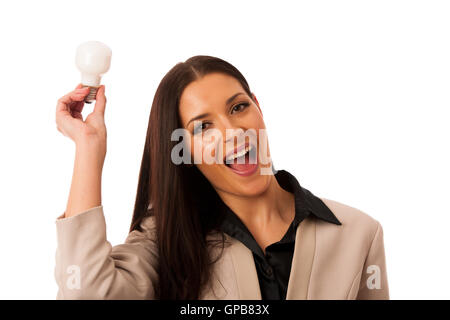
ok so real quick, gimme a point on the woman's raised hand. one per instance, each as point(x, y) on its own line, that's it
point(69, 120)
point(89, 136)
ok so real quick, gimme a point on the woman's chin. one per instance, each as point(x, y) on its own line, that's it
point(250, 187)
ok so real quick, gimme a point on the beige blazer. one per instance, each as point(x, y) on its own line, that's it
point(330, 261)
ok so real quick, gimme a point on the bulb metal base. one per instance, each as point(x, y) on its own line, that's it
point(92, 94)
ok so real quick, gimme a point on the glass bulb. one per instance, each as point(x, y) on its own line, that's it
point(93, 59)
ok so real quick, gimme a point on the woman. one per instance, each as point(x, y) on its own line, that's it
point(231, 229)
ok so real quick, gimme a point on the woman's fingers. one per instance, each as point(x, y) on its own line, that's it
point(77, 115)
point(69, 107)
point(68, 110)
point(73, 96)
point(100, 101)
point(64, 122)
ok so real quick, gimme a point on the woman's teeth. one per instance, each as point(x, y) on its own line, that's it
point(239, 154)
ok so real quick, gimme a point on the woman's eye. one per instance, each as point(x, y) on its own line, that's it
point(239, 107)
point(200, 127)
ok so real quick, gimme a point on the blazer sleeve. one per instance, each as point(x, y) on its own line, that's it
point(88, 267)
point(374, 282)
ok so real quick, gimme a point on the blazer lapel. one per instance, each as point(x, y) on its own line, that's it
point(245, 270)
point(302, 260)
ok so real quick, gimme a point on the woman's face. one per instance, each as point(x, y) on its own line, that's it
point(213, 109)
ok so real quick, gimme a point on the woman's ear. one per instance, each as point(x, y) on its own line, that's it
point(257, 103)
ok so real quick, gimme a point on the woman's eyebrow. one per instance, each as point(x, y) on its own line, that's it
point(198, 117)
point(229, 100)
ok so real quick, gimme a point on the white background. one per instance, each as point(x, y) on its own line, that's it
point(355, 96)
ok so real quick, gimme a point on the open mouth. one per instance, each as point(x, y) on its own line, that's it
point(243, 160)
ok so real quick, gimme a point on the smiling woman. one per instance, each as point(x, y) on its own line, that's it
point(232, 228)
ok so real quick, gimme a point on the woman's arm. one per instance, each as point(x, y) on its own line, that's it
point(88, 267)
point(85, 189)
point(89, 136)
point(374, 281)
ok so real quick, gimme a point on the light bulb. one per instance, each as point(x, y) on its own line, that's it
point(93, 59)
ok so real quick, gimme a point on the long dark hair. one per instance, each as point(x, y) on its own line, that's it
point(179, 197)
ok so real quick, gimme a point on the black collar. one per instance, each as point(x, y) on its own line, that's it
point(305, 203)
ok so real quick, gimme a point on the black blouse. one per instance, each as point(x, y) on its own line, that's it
point(274, 267)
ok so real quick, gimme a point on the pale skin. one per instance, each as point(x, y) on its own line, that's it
point(89, 136)
point(263, 206)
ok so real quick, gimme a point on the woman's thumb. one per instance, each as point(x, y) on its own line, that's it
point(100, 101)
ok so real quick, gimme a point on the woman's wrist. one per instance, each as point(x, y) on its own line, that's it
point(91, 153)
point(85, 191)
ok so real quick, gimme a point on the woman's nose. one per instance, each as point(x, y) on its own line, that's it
point(230, 129)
